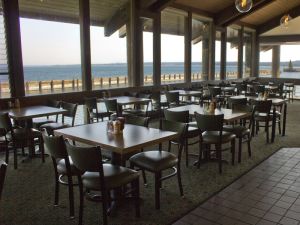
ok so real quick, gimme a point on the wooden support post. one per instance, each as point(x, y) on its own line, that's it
point(205, 58)
point(188, 48)
point(118, 81)
point(14, 49)
point(276, 61)
point(212, 51)
point(73, 84)
point(255, 55)
point(240, 52)
point(135, 46)
point(101, 82)
point(157, 50)
point(223, 54)
point(40, 86)
point(85, 42)
point(63, 85)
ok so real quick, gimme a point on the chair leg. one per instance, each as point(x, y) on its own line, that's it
point(6, 154)
point(267, 130)
point(179, 180)
point(279, 125)
point(81, 200)
point(71, 195)
point(136, 193)
point(42, 149)
point(219, 156)
point(157, 190)
point(144, 177)
point(240, 150)
point(186, 148)
point(232, 151)
point(200, 154)
point(56, 196)
point(249, 146)
point(169, 146)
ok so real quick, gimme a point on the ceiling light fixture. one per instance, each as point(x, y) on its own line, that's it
point(285, 20)
point(243, 6)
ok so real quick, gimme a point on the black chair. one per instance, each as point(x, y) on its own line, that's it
point(216, 93)
point(37, 122)
point(63, 166)
point(236, 101)
point(97, 176)
point(113, 108)
point(16, 137)
point(137, 120)
point(242, 131)
point(262, 115)
point(140, 109)
point(211, 133)
point(92, 110)
point(3, 167)
point(192, 130)
point(71, 112)
point(157, 161)
point(173, 99)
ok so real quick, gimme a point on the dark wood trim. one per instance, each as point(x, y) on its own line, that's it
point(280, 39)
point(85, 43)
point(119, 19)
point(14, 48)
point(157, 50)
point(276, 61)
point(188, 48)
point(160, 5)
point(240, 52)
point(223, 54)
point(192, 9)
point(212, 51)
point(274, 22)
point(231, 14)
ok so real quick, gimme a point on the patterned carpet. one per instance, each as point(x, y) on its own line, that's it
point(29, 191)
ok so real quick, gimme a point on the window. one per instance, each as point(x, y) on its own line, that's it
point(172, 46)
point(232, 53)
point(148, 51)
point(4, 71)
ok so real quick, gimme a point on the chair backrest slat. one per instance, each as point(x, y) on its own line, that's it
point(56, 146)
point(181, 116)
point(208, 122)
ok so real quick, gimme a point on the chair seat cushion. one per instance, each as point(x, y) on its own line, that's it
point(213, 137)
point(62, 169)
point(115, 176)
point(37, 122)
point(154, 160)
point(239, 131)
point(261, 117)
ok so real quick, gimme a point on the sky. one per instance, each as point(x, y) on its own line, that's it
point(53, 43)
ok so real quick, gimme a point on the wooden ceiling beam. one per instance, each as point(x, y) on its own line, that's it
point(160, 5)
point(279, 38)
point(192, 9)
point(231, 14)
point(275, 21)
point(118, 20)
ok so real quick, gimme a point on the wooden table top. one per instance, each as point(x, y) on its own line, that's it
point(275, 101)
point(127, 100)
point(229, 114)
point(133, 137)
point(187, 93)
point(271, 87)
point(33, 112)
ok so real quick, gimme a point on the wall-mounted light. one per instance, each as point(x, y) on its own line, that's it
point(285, 20)
point(243, 6)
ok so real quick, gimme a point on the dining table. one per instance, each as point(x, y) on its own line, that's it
point(132, 139)
point(188, 93)
point(276, 102)
point(229, 115)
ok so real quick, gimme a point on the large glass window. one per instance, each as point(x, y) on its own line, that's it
point(218, 55)
point(148, 51)
point(172, 45)
point(265, 61)
point(4, 72)
point(51, 50)
point(232, 53)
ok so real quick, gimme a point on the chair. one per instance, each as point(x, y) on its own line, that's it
point(241, 88)
point(140, 109)
point(156, 161)
point(37, 122)
point(173, 99)
point(137, 120)
point(289, 90)
point(71, 112)
point(63, 166)
point(92, 110)
point(192, 129)
point(211, 133)
point(113, 108)
point(242, 131)
point(97, 176)
point(3, 167)
point(216, 93)
point(236, 101)
point(16, 137)
point(262, 115)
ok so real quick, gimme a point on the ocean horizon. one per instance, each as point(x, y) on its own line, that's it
point(60, 72)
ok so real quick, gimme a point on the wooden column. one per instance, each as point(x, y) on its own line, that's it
point(14, 48)
point(188, 48)
point(223, 54)
point(85, 43)
point(212, 51)
point(135, 46)
point(276, 61)
point(157, 50)
point(255, 55)
point(240, 52)
point(205, 57)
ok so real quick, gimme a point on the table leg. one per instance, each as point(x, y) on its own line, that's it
point(273, 124)
point(284, 119)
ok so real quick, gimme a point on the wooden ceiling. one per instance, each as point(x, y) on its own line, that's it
point(103, 10)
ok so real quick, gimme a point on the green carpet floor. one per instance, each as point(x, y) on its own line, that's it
point(29, 191)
